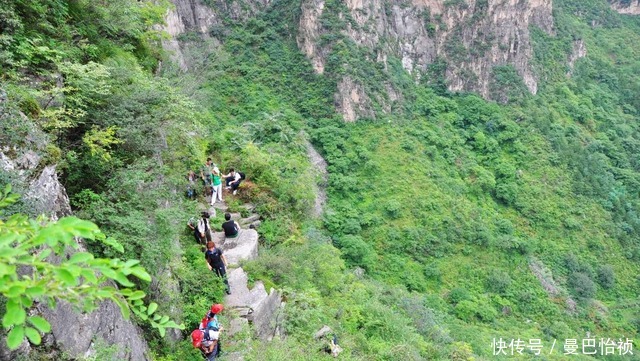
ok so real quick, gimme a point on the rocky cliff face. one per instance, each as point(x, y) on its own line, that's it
point(631, 7)
point(73, 333)
point(204, 19)
point(471, 36)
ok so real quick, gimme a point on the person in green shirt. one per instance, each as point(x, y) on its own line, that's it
point(206, 175)
point(216, 182)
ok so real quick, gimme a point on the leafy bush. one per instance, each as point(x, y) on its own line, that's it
point(498, 281)
point(606, 277)
point(582, 286)
point(356, 251)
point(458, 295)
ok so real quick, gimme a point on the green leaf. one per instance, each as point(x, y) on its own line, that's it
point(136, 295)
point(66, 277)
point(78, 227)
point(15, 291)
point(40, 323)
point(7, 269)
point(35, 291)
point(130, 263)
point(44, 254)
point(15, 314)
point(123, 280)
point(164, 320)
point(141, 274)
point(8, 252)
point(15, 337)
point(113, 243)
point(162, 331)
point(152, 308)
point(89, 276)
point(80, 257)
point(33, 335)
point(124, 307)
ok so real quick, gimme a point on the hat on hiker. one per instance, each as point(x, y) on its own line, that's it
point(196, 338)
point(217, 308)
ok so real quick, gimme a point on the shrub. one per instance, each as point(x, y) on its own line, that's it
point(582, 285)
point(606, 277)
point(356, 251)
point(498, 281)
point(458, 295)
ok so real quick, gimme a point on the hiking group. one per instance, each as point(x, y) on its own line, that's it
point(211, 178)
point(207, 337)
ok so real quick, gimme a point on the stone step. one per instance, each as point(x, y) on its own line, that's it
point(249, 206)
point(243, 247)
point(252, 218)
point(258, 306)
point(255, 224)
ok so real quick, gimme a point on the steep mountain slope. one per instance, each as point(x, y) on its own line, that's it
point(451, 219)
point(510, 220)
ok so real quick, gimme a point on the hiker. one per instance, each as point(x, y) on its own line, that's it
point(193, 224)
point(216, 185)
point(233, 180)
point(211, 315)
point(231, 228)
point(217, 263)
point(191, 187)
point(206, 175)
point(210, 320)
point(204, 228)
point(206, 340)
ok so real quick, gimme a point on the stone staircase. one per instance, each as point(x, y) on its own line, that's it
point(245, 308)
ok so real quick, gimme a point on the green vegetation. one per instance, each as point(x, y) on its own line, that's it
point(451, 221)
point(79, 279)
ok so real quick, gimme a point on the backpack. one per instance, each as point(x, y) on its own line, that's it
point(242, 176)
point(212, 326)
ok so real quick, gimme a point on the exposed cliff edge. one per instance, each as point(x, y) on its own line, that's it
point(471, 36)
point(629, 7)
point(203, 19)
point(72, 332)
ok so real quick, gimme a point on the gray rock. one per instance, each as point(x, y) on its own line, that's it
point(252, 218)
point(48, 194)
point(320, 167)
point(72, 332)
point(325, 330)
point(258, 306)
point(244, 247)
point(255, 224)
point(236, 325)
point(630, 7)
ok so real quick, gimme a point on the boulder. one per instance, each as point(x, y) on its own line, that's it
point(259, 307)
point(243, 247)
point(252, 218)
point(325, 330)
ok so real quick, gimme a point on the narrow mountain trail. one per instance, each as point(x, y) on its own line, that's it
point(245, 305)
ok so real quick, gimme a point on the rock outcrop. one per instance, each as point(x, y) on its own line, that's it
point(244, 247)
point(471, 36)
point(256, 305)
point(186, 16)
point(629, 7)
point(205, 20)
point(73, 333)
